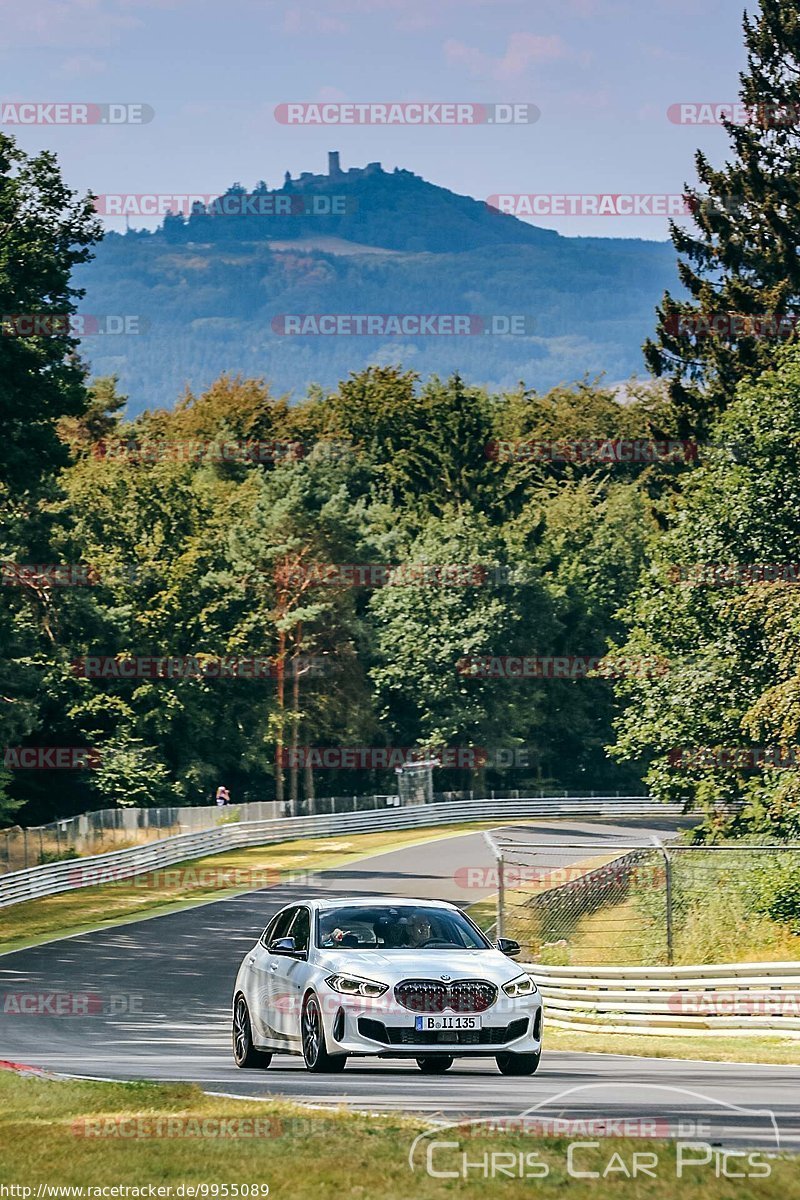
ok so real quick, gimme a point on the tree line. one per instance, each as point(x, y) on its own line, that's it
point(219, 542)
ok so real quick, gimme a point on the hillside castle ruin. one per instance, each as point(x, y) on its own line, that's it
point(335, 172)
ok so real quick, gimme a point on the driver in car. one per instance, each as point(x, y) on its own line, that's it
point(419, 930)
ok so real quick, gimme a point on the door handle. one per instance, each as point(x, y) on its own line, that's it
point(273, 966)
point(251, 958)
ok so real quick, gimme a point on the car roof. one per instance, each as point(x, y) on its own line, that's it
point(378, 902)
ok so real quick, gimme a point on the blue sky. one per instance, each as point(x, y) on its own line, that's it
point(603, 73)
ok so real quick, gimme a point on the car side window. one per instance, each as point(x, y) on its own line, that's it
point(278, 926)
point(267, 934)
point(301, 929)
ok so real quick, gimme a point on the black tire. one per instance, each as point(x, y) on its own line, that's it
point(435, 1066)
point(315, 1050)
point(245, 1053)
point(518, 1064)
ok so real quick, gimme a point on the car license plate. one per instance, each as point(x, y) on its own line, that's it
point(429, 1023)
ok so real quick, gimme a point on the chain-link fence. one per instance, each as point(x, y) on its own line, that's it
point(116, 828)
point(620, 903)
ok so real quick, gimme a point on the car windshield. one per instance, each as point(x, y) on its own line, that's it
point(400, 928)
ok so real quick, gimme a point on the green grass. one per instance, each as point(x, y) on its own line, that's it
point(197, 881)
point(777, 1050)
point(307, 1153)
point(714, 928)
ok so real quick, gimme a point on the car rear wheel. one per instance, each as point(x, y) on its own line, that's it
point(435, 1066)
point(518, 1064)
point(315, 1050)
point(245, 1053)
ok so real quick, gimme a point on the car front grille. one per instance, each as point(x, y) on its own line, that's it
point(435, 996)
point(494, 1035)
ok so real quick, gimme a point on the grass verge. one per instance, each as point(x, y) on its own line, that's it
point(82, 1134)
point(197, 881)
point(776, 1051)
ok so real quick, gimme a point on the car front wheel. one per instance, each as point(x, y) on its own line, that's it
point(315, 1050)
point(245, 1053)
point(518, 1064)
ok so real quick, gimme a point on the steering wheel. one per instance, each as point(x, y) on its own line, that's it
point(437, 944)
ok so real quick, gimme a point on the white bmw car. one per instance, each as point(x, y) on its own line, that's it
point(394, 978)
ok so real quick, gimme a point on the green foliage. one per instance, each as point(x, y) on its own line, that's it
point(743, 258)
point(47, 230)
point(191, 555)
point(733, 649)
point(51, 856)
point(776, 889)
point(130, 776)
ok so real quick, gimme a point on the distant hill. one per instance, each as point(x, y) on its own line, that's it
point(211, 288)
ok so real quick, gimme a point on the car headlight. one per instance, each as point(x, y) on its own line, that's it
point(522, 985)
point(354, 985)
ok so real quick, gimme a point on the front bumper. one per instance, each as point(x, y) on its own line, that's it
point(378, 1027)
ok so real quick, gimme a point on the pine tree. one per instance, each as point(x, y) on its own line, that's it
point(742, 262)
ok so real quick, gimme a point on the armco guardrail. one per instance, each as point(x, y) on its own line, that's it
point(52, 878)
point(723, 1000)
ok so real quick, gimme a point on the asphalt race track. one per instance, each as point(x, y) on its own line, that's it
point(162, 990)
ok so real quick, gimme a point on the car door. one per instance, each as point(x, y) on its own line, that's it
point(289, 976)
point(265, 1002)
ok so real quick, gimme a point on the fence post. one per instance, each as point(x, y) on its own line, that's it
point(667, 895)
point(501, 897)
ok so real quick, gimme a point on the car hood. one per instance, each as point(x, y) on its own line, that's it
point(390, 966)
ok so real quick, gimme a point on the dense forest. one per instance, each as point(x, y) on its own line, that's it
point(583, 593)
point(210, 530)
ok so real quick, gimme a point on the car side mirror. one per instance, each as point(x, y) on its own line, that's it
point(285, 945)
point(509, 946)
